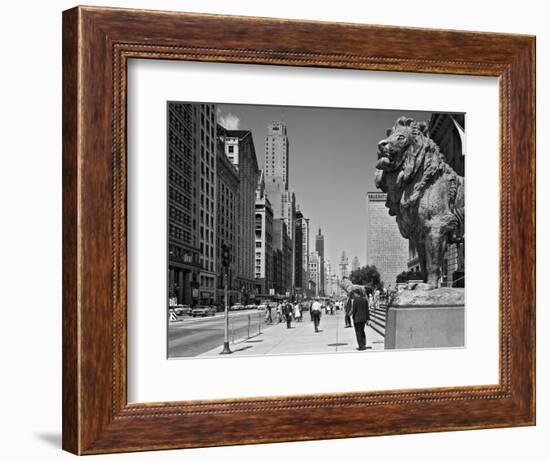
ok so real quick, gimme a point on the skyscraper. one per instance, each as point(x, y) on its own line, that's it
point(282, 199)
point(276, 152)
point(320, 249)
point(206, 144)
point(227, 218)
point(355, 264)
point(386, 248)
point(314, 273)
point(298, 251)
point(239, 148)
point(276, 167)
point(301, 250)
point(305, 246)
point(264, 241)
point(183, 215)
point(344, 265)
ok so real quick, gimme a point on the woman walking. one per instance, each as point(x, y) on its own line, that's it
point(297, 312)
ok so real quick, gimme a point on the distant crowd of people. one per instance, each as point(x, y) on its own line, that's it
point(356, 309)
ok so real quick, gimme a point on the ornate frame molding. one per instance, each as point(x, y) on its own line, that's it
point(97, 44)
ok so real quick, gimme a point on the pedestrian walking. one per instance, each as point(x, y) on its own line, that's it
point(288, 309)
point(376, 299)
point(360, 315)
point(316, 314)
point(297, 312)
point(268, 317)
point(347, 310)
point(279, 313)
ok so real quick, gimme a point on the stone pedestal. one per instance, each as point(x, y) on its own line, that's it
point(419, 319)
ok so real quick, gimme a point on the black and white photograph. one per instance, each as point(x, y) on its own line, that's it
point(301, 230)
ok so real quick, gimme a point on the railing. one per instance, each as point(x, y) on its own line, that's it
point(453, 283)
point(241, 331)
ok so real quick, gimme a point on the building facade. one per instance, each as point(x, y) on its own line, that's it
point(355, 264)
point(277, 153)
point(183, 214)
point(386, 248)
point(301, 251)
point(227, 206)
point(344, 266)
point(240, 150)
point(314, 272)
point(448, 132)
point(277, 179)
point(282, 247)
point(263, 242)
point(330, 287)
point(305, 248)
point(320, 249)
point(207, 174)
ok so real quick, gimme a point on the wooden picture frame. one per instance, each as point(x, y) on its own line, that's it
point(97, 43)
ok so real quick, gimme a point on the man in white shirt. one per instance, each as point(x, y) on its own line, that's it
point(316, 314)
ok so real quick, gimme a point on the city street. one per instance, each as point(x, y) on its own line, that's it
point(205, 337)
point(195, 336)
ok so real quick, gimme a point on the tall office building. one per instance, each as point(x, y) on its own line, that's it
point(264, 241)
point(355, 264)
point(239, 148)
point(344, 265)
point(320, 249)
point(386, 248)
point(227, 218)
point(183, 213)
point(305, 246)
point(301, 250)
point(206, 146)
point(330, 289)
point(314, 273)
point(276, 152)
point(282, 199)
point(282, 258)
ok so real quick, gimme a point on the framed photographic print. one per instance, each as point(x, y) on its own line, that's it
point(330, 235)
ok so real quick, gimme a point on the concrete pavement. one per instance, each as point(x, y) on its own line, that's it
point(302, 339)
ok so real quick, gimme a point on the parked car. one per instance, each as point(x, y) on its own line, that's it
point(262, 307)
point(251, 306)
point(203, 311)
point(182, 309)
point(236, 307)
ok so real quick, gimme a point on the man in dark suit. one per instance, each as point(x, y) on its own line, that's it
point(347, 310)
point(360, 316)
point(287, 311)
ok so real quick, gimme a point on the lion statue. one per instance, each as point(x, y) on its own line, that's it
point(423, 192)
point(349, 287)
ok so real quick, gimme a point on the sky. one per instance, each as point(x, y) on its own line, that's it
point(332, 154)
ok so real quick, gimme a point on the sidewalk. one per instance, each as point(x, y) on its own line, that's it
point(302, 339)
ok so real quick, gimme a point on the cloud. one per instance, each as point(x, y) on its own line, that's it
point(229, 121)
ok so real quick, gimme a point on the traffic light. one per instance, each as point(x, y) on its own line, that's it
point(226, 255)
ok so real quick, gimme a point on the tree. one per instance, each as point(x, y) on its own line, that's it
point(366, 275)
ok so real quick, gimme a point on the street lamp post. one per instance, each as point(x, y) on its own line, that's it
point(226, 261)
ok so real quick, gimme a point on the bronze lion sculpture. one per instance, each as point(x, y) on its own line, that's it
point(423, 192)
point(349, 287)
